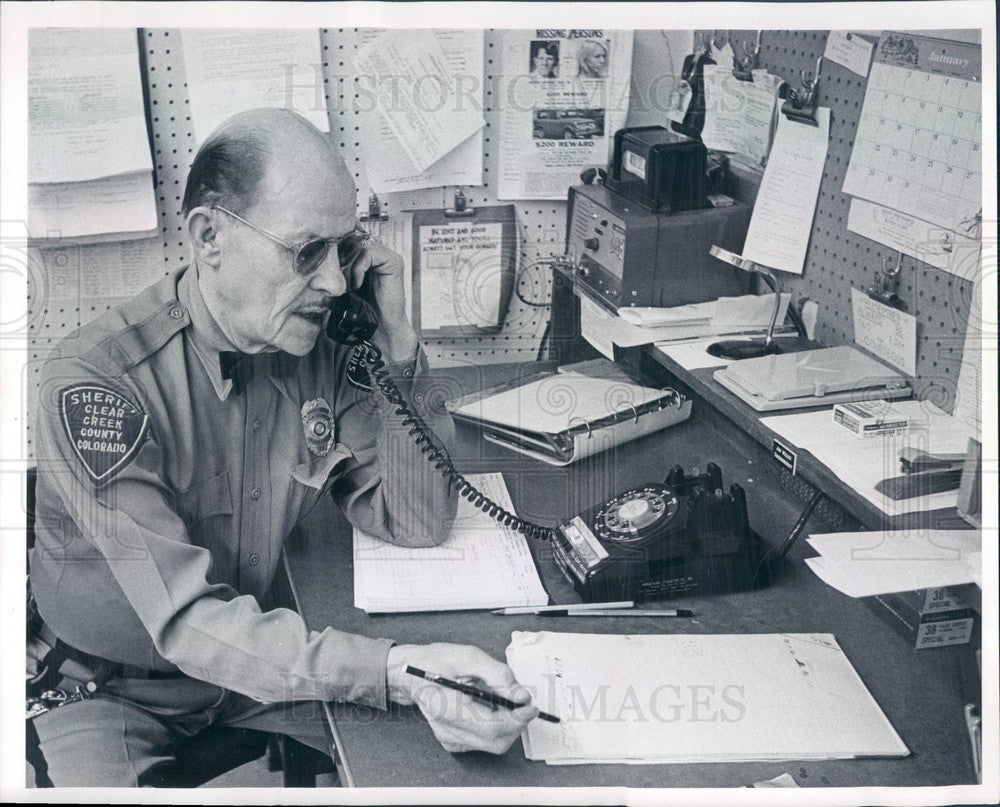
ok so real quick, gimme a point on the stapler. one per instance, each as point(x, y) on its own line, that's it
point(923, 474)
point(915, 461)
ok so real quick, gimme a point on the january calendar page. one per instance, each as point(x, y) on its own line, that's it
point(918, 145)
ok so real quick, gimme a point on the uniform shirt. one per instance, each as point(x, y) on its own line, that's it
point(164, 498)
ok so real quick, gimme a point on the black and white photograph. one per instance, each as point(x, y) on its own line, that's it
point(544, 58)
point(567, 124)
point(382, 425)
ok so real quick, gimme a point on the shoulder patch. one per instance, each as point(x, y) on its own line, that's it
point(104, 428)
point(357, 371)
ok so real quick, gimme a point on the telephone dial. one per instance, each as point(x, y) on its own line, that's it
point(684, 536)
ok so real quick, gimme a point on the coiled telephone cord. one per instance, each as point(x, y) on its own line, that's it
point(438, 456)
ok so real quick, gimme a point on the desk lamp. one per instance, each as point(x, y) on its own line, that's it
point(745, 348)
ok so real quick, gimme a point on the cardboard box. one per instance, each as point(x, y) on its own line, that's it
point(934, 617)
point(868, 418)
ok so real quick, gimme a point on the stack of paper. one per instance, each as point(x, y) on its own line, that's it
point(481, 565)
point(748, 314)
point(679, 698)
point(863, 564)
point(90, 171)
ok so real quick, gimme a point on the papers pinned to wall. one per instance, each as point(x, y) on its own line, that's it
point(117, 207)
point(850, 50)
point(940, 247)
point(887, 332)
point(85, 114)
point(386, 162)
point(230, 70)
point(562, 95)
point(418, 80)
point(89, 164)
point(918, 143)
point(782, 218)
point(739, 115)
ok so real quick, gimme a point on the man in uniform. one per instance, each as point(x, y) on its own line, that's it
point(180, 439)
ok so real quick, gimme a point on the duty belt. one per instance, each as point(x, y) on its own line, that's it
point(42, 693)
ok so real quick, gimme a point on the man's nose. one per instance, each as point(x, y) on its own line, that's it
point(329, 277)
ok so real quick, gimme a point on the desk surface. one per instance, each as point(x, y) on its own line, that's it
point(921, 692)
point(703, 384)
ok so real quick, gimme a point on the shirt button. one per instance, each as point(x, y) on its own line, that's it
point(256, 424)
point(176, 312)
point(254, 559)
point(255, 493)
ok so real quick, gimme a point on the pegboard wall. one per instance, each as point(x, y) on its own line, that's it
point(79, 283)
point(838, 260)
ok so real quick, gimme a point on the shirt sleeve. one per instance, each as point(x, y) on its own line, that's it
point(206, 630)
point(390, 489)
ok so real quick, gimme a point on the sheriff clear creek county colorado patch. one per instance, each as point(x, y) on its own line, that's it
point(104, 428)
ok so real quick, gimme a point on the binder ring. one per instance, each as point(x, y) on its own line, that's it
point(678, 399)
point(626, 408)
point(590, 431)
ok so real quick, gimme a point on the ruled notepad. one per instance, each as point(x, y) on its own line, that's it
point(481, 564)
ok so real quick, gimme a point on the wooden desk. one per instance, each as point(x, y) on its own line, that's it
point(921, 692)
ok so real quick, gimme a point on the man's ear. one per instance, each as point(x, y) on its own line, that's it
point(204, 235)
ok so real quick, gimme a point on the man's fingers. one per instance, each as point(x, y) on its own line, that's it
point(525, 714)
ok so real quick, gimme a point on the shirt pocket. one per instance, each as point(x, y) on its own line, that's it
point(315, 472)
point(207, 499)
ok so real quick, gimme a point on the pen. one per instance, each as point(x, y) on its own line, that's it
point(583, 606)
point(481, 695)
point(596, 612)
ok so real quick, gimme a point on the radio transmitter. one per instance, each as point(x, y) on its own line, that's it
point(626, 255)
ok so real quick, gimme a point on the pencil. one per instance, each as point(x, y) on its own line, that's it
point(681, 612)
point(481, 695)
point(580, 606)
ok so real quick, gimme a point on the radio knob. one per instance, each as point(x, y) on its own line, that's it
point(583, 271)
point(592, 244)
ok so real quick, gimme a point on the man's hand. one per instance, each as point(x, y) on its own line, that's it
point(459, 722)
point(394, 337)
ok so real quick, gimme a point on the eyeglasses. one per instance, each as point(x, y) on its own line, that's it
point(308, 257)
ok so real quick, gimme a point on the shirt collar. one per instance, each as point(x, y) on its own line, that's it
point(208, 341)
point(207, 337)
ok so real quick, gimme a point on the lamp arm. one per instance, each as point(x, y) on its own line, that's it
point(766, 273)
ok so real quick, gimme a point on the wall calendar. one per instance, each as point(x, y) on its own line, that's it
point(918, 144)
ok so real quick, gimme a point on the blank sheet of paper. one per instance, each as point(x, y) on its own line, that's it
point(481, 565)
point(862, 564)
point(679, 698)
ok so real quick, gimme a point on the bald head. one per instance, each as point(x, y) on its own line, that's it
point(252, 149)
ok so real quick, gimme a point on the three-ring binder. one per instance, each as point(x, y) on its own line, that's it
point(560, 417)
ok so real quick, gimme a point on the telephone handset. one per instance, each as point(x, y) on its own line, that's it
point(353, 319)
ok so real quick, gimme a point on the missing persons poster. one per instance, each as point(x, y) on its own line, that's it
point(563, 93)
